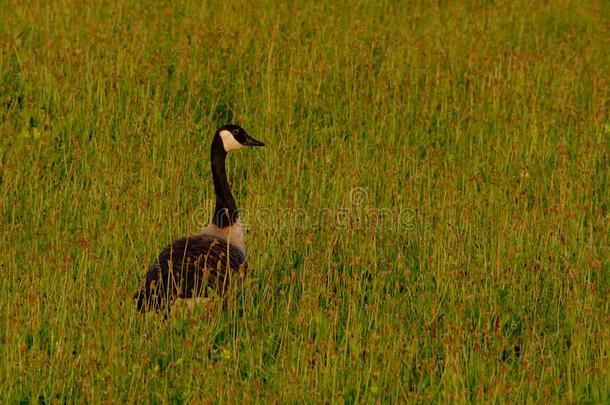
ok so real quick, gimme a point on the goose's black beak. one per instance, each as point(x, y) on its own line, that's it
point(253, 142)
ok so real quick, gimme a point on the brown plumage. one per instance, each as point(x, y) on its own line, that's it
point(186, 268)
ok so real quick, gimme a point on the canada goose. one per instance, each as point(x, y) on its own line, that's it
point(188, 266)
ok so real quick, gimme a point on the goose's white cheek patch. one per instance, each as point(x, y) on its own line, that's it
point(229, 142)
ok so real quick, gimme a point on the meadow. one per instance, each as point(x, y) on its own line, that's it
point(429, 220)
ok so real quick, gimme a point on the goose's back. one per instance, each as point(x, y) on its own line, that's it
point(187, 267)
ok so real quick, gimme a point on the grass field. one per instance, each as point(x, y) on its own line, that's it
point(442, 168)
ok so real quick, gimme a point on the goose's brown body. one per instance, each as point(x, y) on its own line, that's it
point(187, 267)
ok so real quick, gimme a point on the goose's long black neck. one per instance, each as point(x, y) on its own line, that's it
point(225, 213)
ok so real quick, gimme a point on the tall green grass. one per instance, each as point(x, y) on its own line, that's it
point(485, 125)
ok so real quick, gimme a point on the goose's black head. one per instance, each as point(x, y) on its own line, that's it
point(234, 137)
